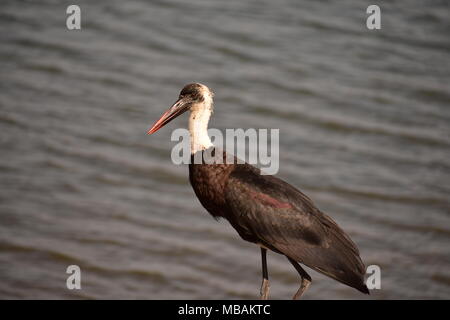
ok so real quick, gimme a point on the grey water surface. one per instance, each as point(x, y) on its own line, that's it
point(364, 119)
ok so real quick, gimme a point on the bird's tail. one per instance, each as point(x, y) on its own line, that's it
point(343, 262)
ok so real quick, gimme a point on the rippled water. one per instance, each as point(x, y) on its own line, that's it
point(364, 130)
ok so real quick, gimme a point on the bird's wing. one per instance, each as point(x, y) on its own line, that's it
point(280, 216)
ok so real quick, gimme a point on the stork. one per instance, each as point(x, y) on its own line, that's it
point(263, 209)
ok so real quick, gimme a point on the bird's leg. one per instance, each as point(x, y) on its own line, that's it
point(306, 279)
point(265, 281)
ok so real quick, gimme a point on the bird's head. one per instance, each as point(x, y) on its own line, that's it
point(195, 97)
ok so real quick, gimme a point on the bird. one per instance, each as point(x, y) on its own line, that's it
point(263, 209)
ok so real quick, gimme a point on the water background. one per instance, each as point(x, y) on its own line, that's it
point(364, 130)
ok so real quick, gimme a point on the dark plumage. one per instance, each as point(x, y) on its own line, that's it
point(268, 211)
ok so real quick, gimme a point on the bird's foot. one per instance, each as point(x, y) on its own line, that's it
point(305, 284)
point(265, 287)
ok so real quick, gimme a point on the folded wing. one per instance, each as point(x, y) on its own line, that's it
point(280, 217)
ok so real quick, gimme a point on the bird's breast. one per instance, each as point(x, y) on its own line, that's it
point(208, 182)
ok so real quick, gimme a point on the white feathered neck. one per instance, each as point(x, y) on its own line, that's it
point(198, 124)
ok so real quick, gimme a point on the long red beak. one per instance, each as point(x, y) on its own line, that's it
point(179, 107)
